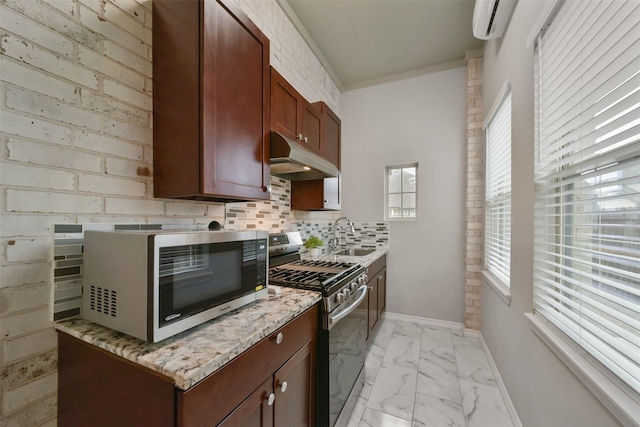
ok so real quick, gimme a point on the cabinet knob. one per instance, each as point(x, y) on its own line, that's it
point(306, 139)
point(266, 189)
point(271, 399)
point(284, 386)
point(279, 338)
point(300, 136)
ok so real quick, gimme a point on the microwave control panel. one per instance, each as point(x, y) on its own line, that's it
point(261, 263)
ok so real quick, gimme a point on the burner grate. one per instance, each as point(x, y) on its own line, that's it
point(327, 264)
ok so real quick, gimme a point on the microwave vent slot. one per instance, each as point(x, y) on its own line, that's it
point(176, 260)
point(103, 300)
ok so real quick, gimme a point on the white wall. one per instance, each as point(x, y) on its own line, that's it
point(544, 391)
point(422, 120)
point(76, 147)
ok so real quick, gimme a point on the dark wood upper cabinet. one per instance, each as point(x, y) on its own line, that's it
point(293, 116)
point(322, 194)
point(211, 103)
point(316, 195)
point(331, 134)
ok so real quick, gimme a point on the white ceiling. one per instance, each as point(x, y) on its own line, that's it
point(366, 42)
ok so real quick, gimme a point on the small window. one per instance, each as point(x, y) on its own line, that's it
point(401, 198)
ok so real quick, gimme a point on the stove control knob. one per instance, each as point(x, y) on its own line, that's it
point(340, 298)
point(347, 294)
point(353, 286)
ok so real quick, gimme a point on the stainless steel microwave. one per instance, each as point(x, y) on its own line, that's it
point(155, 284)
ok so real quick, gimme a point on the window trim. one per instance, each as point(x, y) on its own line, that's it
point(386, 191)
point(609, 391)
point(498, 286)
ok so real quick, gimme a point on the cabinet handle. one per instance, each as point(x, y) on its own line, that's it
point(300, 137)
point(284, 386)
point(370, 288)
point(306, 139)
point(279, 338)
point(271, 399)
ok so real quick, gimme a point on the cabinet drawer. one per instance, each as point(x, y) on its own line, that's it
point(208, 402)
point(376, 266)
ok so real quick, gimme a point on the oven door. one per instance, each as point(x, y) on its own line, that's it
point(347, 335)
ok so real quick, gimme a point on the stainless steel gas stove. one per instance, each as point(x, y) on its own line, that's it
point(343, 323)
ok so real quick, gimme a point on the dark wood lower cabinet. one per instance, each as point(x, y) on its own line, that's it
point(381, 281)
point(96, 388)
point(286, 399)
point(377, 297)
point(99, 388)
point(255, 411)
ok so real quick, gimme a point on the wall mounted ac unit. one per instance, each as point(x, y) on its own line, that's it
point(490, 18)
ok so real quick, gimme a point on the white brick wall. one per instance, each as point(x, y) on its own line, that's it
point(76, 147)
point(475, 190)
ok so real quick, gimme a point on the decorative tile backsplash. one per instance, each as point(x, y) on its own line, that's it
point(368, 235)
point(274, 216)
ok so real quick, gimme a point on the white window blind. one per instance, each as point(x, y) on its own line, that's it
point(497, 230)
point(587, 253)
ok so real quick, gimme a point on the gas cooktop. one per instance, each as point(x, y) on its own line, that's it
point(311, 274)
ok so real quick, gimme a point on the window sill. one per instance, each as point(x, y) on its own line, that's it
point(497, 285)
point(625, 408)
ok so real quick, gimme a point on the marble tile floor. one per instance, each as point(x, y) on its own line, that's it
point(418, 375)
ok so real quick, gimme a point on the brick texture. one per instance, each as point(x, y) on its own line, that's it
point(474, 208)
point(76, 147)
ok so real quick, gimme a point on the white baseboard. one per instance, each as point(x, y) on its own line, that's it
point(424, 321)
point(503, 389)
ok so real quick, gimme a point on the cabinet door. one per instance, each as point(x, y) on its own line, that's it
point(284, 106)
point(255, 411)
point(235, 104)
point(331, 132)
point(316, 194)
point(211, 103)
point(311, 127)
point(382, 291)
point(294, 385)
point(373, 302)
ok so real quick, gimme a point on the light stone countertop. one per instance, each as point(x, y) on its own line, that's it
point(191, 356)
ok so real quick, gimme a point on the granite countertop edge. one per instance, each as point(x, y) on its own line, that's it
point(191, 356)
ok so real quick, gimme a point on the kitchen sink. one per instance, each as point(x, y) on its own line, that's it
point(355, 252)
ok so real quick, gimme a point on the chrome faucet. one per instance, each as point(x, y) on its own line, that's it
point(336, 240)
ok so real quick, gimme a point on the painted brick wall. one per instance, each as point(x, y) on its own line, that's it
point(475, 190)
point(76, 147)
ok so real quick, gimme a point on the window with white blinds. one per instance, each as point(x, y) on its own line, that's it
point(497, 229)
point(587, 242)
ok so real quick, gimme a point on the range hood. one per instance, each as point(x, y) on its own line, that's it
point(294, 162)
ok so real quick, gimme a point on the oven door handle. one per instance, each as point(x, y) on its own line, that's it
point(343, 312)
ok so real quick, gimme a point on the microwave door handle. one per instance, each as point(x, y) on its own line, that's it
point(343, 312)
